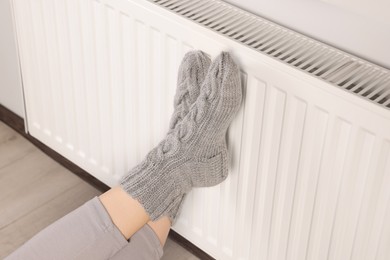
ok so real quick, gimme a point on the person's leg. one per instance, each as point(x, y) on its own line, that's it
point(147, 243)
point(161, 228)
point(123, 209)
point(82, 234)
point(86, 236)
point(145, 240)
point(85, 233)
point(125, 212)
point(194, 153)
point(89, 233)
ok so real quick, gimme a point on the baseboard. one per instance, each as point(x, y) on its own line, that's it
point(12, 120)
point(17, 123)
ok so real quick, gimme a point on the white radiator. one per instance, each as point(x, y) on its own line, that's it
point(310, 147)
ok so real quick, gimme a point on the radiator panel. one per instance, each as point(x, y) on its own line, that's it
point(310, 164)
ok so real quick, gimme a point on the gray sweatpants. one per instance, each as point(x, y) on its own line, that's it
point(88, 233)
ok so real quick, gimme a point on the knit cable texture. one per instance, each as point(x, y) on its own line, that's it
point(192, 72)
point(194, 153)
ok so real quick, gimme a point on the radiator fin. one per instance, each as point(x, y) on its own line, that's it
point(343, 70)
point(313, 145)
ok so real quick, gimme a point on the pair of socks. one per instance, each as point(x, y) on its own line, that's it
point(194, 151)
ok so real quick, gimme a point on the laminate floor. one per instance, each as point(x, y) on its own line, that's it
point(35, 191)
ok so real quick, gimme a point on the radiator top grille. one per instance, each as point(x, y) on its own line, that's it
point(341, 69)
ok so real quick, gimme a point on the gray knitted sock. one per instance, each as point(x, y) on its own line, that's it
point(192, 72)
point(194, 153)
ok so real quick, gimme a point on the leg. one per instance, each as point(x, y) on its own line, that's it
point(89, 233)
point(129, 216)
point(146, 240)
point(147, 243)
point(186, 157)
point(85, 233)
point(171, 169)
point(161, 228)
point(125, 212)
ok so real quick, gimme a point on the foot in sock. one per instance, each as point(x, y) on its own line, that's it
point(194, 153)
point(192, 72)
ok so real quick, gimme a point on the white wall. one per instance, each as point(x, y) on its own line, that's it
point(361, 27)
point(10, 82)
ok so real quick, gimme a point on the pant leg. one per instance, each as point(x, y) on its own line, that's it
point(85, 233)
point(143, 245)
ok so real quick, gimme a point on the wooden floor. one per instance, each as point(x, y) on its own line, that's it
point(35, 191)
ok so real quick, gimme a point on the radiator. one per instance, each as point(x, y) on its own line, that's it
point(310, 147)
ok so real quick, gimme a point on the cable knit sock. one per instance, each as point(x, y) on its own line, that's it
point(194, 153)
point(192, 72)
